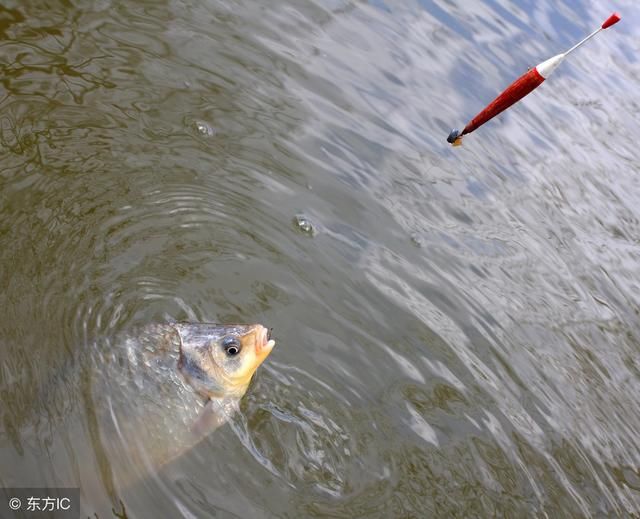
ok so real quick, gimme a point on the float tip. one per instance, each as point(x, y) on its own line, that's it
point(614, 18)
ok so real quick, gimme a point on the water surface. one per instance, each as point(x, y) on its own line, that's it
point(457, 328)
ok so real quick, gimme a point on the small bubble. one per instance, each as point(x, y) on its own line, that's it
point(204, 128)
point(303, 224)
point(415, 239)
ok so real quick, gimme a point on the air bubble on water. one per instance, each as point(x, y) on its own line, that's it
point(204, 128)
point(303, 224)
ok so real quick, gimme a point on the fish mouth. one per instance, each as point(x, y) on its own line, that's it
point(264, 342)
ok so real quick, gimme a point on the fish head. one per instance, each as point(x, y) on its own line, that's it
point(217, 360)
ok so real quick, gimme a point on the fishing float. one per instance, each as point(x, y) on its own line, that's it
point(522, 86)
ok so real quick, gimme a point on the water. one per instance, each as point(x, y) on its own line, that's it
point(457, 328)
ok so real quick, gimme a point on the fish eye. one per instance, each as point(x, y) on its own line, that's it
point(231, 345)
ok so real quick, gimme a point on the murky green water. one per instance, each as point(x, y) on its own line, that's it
point(457, 328)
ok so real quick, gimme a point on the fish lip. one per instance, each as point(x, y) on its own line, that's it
point(264, 344)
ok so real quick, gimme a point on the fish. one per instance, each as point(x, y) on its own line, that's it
point(157, 393)
point(127, 405)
